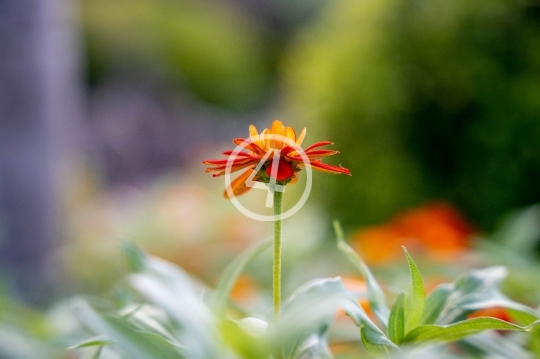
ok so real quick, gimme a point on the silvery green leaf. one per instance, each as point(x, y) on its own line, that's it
point(376, 297)
point(220, 296)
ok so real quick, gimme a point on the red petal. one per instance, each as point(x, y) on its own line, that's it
point(329, 168)
point(284, 172)
point(318, 144)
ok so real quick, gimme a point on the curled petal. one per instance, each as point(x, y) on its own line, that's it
point(222, 164)
point(233, 169)
point(300, 138)
point(286, 150)
point(240, 153)
point(318, 144)
point(239, 186)
point(312, 155)
point(323, 167)
point(250, 146)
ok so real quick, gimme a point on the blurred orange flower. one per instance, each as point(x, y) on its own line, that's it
point(494, 312)
point(437, 230)
point(259, 148)
point(245, 289)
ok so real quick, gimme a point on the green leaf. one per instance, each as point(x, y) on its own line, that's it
point(99, 340)
point(479, 289)
point(495, 345)
point(535, 341)
point(435, 303)
point(311, 309)
point(396, 323)
point(133, 342)
point(376, 350)
point(95, 354)
point(376, 297)
point(243, 343)
point(414, 304)
point(220, 297)
point(444, 333)
point(136, 258)
point(520, 232)
point(169, 287)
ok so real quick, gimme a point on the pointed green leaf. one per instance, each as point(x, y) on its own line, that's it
point(312, 309)
point(414, 305)
point(444, 333)
point(136, 258)
point(131, 340)
point(535, 341)
point(435, 303)
point(396, 323)
point(494, 345)
point(167, 286)
point(220, 297)
point(93, 354)
point(376, 297)
point(99, 340)
point(479, 289)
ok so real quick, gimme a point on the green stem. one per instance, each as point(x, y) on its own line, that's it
point(277, 253)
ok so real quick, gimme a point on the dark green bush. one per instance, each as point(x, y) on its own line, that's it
point(427, 99)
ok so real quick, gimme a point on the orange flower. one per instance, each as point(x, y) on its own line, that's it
point(436, 229)
point(279, 145)
point(494, 312)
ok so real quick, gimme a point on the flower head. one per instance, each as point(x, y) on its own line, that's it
point(263, 152)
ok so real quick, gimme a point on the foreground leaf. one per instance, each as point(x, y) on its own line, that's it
point(221, 295)
point(396, 323)
point(459, 330)
point(170, 288)
point(376, 297)
point(133, 342)
point(414, 303)
point(479, 289)
point(99, 340)
point(435, 303)
point(311, 309)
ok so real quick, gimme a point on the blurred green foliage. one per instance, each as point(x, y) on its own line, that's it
point(426, 99)
point(218, 53)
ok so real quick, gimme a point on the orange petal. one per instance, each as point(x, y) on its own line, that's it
point(239, 186)
point(264, 143)
point(300, 138)
point(289, 133)
point(294, 179)
point(254, 134)
point(278, 129)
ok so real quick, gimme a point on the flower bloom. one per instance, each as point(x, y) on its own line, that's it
point(437, 229)
point(259, 147)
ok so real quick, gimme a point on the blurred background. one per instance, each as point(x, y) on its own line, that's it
point(107, 109)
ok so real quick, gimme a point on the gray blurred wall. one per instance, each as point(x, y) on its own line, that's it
point(40, 112)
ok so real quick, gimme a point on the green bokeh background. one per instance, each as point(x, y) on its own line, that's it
point(427, 100)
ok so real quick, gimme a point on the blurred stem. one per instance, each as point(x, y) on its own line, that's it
point(277, 253)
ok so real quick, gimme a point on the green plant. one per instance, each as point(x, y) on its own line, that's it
point(171, 315)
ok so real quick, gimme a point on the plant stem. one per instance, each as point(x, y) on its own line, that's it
point(277, 253)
